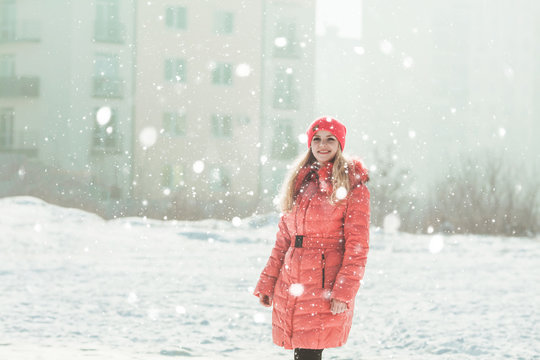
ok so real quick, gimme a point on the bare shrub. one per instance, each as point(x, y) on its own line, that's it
point(486, 196)
point(20, 176)
point(390, 188)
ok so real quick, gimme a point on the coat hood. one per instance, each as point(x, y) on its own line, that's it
point(358, 173)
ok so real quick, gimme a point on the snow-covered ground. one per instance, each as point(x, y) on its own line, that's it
point(74, 287)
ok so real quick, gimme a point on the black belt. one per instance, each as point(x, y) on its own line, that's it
point(301, 241)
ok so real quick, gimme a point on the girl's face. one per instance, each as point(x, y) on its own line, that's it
point(324, 146)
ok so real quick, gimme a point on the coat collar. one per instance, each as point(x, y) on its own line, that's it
point(358, 175)
point(315, 171)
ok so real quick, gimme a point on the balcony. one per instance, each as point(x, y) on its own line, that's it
point(286, 99)
point(107, 144)
point(19, 86)
point(110, 31)
point(290, 51)
point(19, 142)
point(21, 31)
point(108, 87)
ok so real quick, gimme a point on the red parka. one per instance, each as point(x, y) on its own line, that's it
point(320, 253)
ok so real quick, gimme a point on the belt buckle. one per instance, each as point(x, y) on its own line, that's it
point(299, 239)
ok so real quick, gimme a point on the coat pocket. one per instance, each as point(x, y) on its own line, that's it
point(323, 262)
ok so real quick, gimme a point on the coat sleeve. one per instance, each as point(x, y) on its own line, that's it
point(270, 273)
point(356, 230)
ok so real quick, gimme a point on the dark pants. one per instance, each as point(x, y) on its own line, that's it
point(307, 354)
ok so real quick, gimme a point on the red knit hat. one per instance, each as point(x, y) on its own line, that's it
point(329, 124)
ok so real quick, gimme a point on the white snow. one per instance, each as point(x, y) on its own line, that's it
point(198, 166)
point(391, 223)
point(359, 50)
point(436, 244)
point(149, 289)
point(341, 193)
point(280, 42)
point(103, 115)
point(21, 172)
point(259, 318)
point(148, 136)
point(408, 62)
point(296, 289)
point(386, 47)
point(236, 221)
point(243, 70)
point(302, 138)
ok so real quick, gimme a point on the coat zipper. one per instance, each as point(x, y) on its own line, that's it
point(323, 267)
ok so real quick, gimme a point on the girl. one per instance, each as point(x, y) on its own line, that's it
point(318, 260)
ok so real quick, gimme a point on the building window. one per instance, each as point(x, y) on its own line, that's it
point(174, 124)
point(7, 65)
point(107, 81)
point(284, 144)
point(223, 22)
point(7, 118)
point(172, 176)
point(166, 177)
point(243, 120)
point(108, 27)
point(176, 17)
point(105, 136)
point(107, 65)
point(21, 86)
point(285, 90)
point(222, 125)
point(7, 21)
point(222, 74)
point(286, 40)
point(219, 179)
point(175, 70)
point(12, 85)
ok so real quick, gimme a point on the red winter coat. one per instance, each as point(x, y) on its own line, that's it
point(329, 264)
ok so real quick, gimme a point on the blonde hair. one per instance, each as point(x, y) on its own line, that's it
point(340, 178)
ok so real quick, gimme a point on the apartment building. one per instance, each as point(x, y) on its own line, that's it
point(194, 104)
point(66, 88)
point(288, 88)
point(223, 90)
point(19, 81)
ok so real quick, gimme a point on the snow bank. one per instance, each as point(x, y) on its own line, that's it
point(75, 286)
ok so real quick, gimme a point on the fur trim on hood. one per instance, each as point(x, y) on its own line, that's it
point(358, 174)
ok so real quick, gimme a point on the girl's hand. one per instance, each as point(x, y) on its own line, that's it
point(337, 307)
point(265, 300)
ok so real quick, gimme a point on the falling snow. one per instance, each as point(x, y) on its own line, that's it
point(436, 244)
point(341, 193)
point(296, 289)
point(198, 166)
point(159, 120)
point(148, 136)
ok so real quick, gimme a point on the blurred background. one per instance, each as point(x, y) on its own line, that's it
point(195, 109)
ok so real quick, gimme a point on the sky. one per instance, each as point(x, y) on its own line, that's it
point(345, 14)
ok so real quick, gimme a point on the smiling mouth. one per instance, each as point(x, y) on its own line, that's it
point(324, 152)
